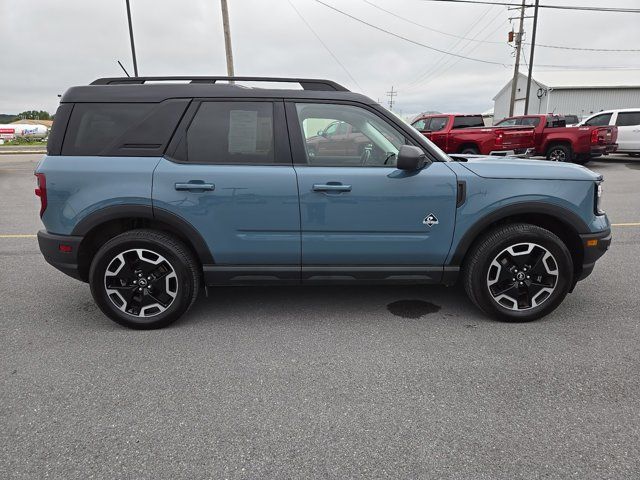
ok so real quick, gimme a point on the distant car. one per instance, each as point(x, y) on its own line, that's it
point(571, 120)
point(467, 134)
point(628, 122)
point(560, 143)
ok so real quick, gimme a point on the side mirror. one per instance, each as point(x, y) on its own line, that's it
point(410, 158)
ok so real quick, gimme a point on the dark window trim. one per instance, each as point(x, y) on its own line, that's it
point(280, 137)
point(297, 142)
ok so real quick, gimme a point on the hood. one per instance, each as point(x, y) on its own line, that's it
point(505, 167)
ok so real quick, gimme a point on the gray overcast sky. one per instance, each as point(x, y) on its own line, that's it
point(49, 45)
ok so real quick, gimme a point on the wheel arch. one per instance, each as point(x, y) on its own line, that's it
point(468, 144)
point(557, 141)
point(106, 223)
point(562, 222)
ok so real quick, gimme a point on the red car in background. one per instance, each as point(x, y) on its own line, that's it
point(558, 142)
point(467, 134)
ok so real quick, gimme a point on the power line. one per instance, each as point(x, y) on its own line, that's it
point(408, 39)
point(494, 42)
point(324, 45)
point(557, 7)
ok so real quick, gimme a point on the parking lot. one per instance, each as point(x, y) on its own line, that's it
point(319, 382)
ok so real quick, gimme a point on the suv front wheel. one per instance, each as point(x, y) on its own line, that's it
point(518, 272)
point(144, 279)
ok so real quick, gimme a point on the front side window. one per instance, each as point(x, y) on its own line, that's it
point(438, 123)
point(362, 138)
point(230, 133)
point(509, 122)
point(628, 119)
point(420, 125)
point(530, 121)
point(599, 120)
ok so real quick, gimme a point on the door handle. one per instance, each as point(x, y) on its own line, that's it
point(331, 187)
point(193, 185)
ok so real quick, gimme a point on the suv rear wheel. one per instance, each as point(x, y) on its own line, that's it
point(518, 272)
point(144, 279)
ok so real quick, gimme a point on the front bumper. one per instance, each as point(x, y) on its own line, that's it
point(594, 245)
point(61, 251)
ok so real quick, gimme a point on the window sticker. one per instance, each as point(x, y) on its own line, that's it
point(243, 131)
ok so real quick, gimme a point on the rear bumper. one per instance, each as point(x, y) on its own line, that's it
point(595, 245)
point(603, 149)
point(65, 261)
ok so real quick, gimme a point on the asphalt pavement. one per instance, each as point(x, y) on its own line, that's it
point(318, 382)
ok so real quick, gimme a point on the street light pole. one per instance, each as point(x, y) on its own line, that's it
point(133, 46)
point(533, 47)
point(227, 37)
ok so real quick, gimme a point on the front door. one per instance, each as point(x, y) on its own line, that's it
point(365, 219)
point(231, 177)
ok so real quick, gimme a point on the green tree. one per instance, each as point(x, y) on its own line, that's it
point(34, 115)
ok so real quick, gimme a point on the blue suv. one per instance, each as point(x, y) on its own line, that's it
point(154, 187)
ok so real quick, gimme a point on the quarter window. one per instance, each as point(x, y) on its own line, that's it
point(627, 119)
point(362, 138)
point(230, 133)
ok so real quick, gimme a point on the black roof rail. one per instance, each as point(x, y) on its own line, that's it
point(305, 83)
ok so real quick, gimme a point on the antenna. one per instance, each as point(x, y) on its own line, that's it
point(123, 69)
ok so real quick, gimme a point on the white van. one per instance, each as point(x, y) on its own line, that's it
point(628, 122)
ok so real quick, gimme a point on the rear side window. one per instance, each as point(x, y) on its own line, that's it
point(627, 119)
point(230, 133)
point(599, 120)
point(95, 126)
point(530, 121)
point(467, 122)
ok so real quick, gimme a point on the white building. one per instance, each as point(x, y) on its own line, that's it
point(572, 92)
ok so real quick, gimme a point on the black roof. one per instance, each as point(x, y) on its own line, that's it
point(157, 89)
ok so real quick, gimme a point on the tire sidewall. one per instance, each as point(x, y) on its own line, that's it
point(562, 148)
point(565, 269)
point(103, 258)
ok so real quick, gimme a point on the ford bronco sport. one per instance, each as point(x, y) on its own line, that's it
point(151, 189)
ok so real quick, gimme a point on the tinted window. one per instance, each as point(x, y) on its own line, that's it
point(438, 123)
point(599, 120)
point(230, 133)
point(467, 122)
point(626, 119)
point(372, 142)
point(93, 127)
point(571, 119)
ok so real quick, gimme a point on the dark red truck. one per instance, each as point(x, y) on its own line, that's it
point(456, 133)
point(560, 143)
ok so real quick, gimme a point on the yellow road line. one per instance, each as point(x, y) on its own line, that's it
point(17, 235)
point(636, 224)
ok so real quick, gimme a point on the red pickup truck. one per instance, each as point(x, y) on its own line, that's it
point(467, 134)
point(558, 142)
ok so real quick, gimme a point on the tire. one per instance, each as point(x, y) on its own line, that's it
point(470, 151)
point(169, 271)
point(559, 153)
point(490, 284)
point(582, 159)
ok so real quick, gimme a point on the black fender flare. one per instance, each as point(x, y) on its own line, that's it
point(115, 212)
point(558, 213)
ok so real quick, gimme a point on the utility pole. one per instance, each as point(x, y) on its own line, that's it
point(133, 46)
point(533, 47)
point(227, 37)
point(391, 94)
point(514, 82)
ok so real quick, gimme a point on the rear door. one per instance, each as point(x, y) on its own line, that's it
point(628, 124)
point(369, 220)
point(228, 172)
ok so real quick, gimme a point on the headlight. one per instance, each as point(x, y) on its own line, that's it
point(598, 199)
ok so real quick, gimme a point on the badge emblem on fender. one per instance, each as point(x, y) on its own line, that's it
point(430, 220)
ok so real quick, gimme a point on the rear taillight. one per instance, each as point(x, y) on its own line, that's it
point(598, 136)
point(41, 191)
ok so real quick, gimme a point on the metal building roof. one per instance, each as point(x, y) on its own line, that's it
point(566, 79)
